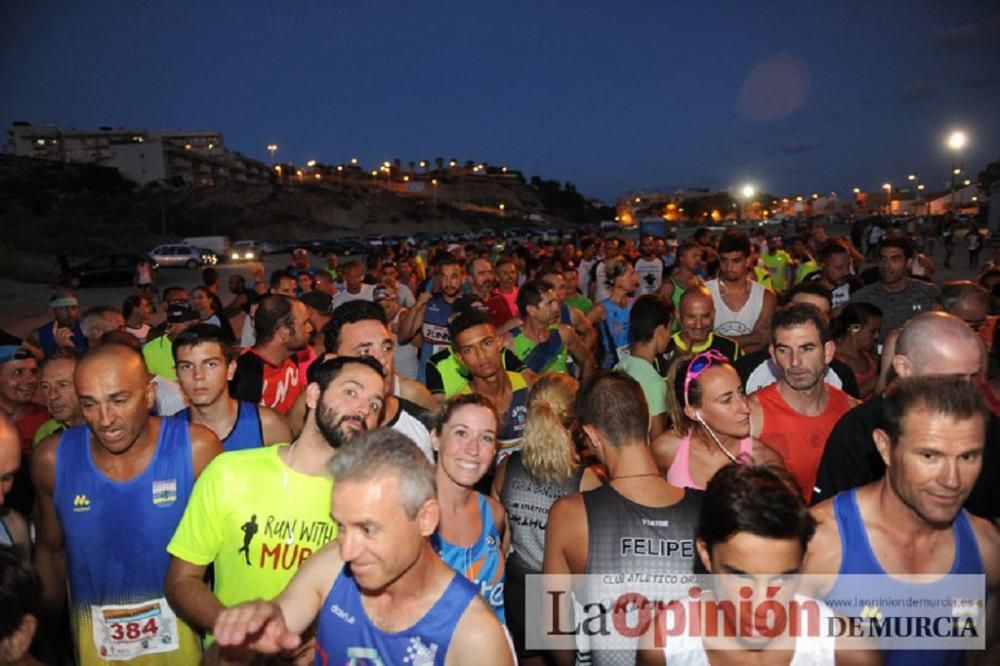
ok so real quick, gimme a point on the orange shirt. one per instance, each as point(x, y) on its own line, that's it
point(800, 439)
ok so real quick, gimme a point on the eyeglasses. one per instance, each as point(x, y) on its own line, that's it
point(699, 364)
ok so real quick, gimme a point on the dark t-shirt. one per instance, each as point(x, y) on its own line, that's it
point(850, 460)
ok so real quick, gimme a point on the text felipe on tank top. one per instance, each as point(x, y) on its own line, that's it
point(629, 538)
point(857, 557)
point(345, 634)
point(116, 546)
point(247, 432)
point(735, 324)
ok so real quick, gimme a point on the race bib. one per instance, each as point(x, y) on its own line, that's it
point(122, 633)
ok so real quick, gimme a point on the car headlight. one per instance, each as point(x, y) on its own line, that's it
point(234, 256)
point(248, 255)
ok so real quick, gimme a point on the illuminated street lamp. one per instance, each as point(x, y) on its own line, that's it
point(311, 163)
point(888, 198)
point(857, 190)
point(956, 142)
point(272, 148)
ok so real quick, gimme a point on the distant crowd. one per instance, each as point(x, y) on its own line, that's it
point(363, 461)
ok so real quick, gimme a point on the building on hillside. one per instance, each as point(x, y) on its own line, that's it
point(197, 157)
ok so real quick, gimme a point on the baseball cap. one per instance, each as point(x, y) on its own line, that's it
point(14, 353)
point(179, 313)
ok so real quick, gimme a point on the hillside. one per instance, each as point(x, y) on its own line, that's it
point(50, 207)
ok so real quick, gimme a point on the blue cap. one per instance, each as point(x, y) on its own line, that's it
point(14, 353)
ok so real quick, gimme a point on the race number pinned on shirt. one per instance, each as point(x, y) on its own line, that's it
point(126, 632)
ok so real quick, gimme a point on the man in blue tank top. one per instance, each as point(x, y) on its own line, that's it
point(429, 317)
point(931, 433)
point(381, 593)
point(64, 329)
point(205, 363)
point(110, 494)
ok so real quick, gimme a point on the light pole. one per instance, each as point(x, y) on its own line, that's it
point(888, 198)
point(272, 148)
point(956, 141)
point(747, 191)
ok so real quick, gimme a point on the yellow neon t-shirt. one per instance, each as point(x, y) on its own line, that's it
point(257, 519)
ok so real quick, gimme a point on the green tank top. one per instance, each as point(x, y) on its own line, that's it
point(523, 346)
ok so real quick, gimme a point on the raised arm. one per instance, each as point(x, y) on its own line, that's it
point(411, 322)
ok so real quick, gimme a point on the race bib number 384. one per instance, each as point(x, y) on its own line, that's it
point(130, 631)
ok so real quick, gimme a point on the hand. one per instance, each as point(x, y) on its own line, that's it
point(258, 625)
point(424, 298)
point(64, 337)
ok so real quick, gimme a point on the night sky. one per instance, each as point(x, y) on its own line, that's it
point(796, 97)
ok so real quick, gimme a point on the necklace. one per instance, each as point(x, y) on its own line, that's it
point(635, 476)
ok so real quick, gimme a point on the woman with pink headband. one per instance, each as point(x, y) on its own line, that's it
point(711, 422)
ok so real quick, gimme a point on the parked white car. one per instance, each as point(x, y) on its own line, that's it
point(177, 254)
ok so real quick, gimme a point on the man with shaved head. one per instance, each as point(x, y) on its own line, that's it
point(110, 495)
point(696, 314)
point(932, 343)
point(13, 528)
point(970, 302)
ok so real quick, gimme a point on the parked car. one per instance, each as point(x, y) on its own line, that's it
point(245, 251)
point(178, 254)
point(220, 245)
point(104, 269)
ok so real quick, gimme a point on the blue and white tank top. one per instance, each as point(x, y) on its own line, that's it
point(116, 548)
point(247, 432)
point(345, 634)
point(434, 331)
point(857, 557)
point(483, 561)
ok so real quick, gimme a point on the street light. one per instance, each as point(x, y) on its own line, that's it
point(272, 148)
point(311, 163)
point(888, 198)
point(956, 142)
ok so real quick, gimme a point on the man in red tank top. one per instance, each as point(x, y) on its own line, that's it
point(795, 415)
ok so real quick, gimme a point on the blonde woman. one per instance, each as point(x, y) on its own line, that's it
point(529, 481)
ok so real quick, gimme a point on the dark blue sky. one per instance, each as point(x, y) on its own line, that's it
point(795, 96)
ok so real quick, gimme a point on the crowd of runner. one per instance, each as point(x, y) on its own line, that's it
point(365, 462)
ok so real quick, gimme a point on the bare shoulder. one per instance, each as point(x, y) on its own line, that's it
point(593, 477)
point(823, 555)
point(664, 448)
point(416, 393)
point(499, 513)
point(567, 508)
point(43, 463)
point(205, 445)
point(18, 527)
point(765, 455)
point(479, 638)
point(274, 425)
point(988, 537)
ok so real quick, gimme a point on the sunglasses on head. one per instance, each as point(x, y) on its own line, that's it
point(699, 364)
